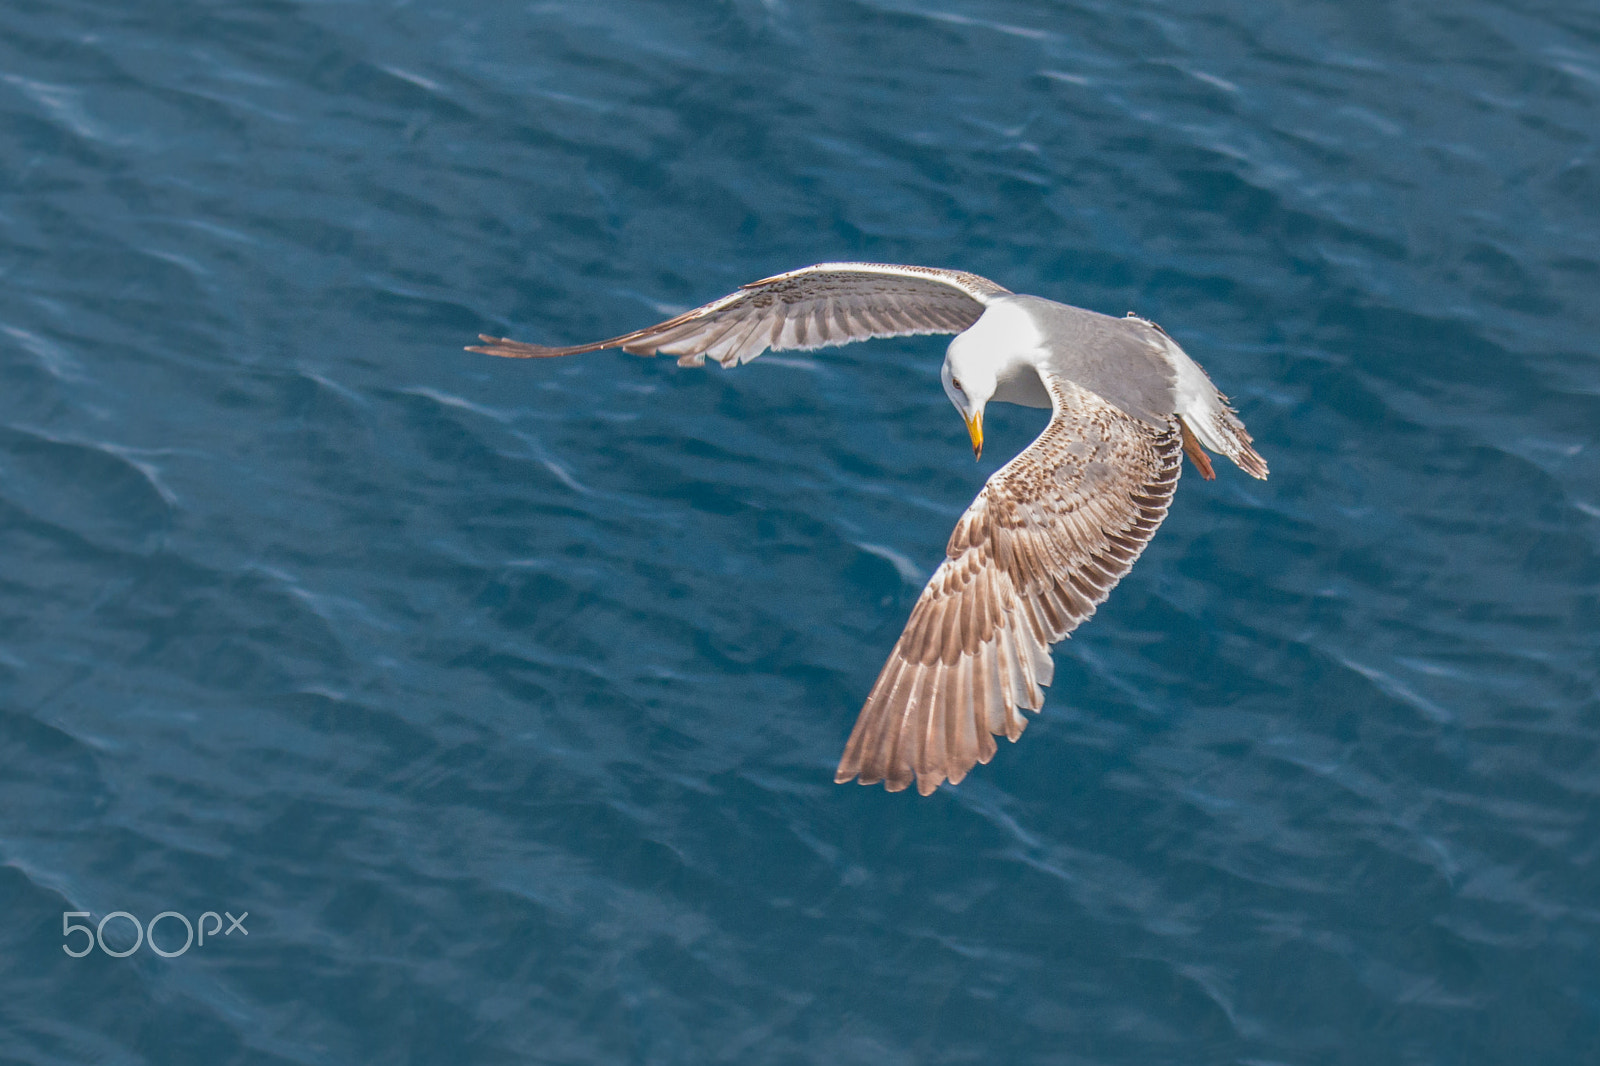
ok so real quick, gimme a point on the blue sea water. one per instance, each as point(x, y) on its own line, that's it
point(505, 697)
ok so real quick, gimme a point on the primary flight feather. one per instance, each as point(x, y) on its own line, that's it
point(1051, 532)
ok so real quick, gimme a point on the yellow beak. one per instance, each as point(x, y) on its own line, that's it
point(975, 431)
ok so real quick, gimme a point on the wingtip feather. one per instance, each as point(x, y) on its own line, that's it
point(507, 348)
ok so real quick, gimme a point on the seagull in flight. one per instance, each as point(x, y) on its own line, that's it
point(1051, 532)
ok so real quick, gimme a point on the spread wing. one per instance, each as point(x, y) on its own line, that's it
point(1047, 538)
point(814, 307)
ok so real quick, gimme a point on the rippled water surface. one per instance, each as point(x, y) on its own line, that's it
point(505, 697)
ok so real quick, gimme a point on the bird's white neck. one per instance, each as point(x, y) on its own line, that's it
point(1004, 347)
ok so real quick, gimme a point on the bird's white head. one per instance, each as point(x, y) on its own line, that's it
point(969, 380)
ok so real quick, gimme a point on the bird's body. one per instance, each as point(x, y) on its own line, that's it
point(1050, 533)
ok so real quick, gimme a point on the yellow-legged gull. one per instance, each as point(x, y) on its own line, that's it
point(1051, 532)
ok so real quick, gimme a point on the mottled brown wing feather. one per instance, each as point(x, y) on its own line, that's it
point(1047, 538)
point(814, 307)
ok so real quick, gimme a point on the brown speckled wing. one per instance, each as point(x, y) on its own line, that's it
point(814, 307)
point(1048, 537)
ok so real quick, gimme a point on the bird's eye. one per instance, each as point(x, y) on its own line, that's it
point(957, 383)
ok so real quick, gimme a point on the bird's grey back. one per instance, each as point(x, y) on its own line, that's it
point(1122, 360)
